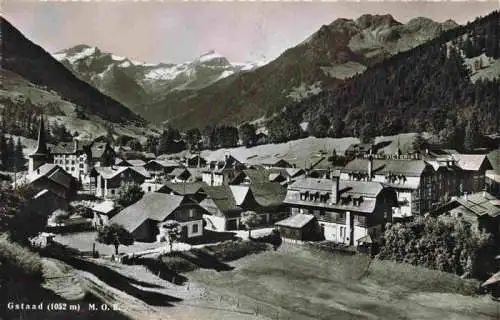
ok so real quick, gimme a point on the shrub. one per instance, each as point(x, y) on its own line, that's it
point(444, 243)
point(177, 263)
point(233, 250)
point(19, 260)
point(274, 239)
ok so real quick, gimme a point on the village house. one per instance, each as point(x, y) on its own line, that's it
point(54, 179)
point(221, 172)
point(103, 212)
point(110, 179)
point(143, 219)
point(473, 171)
point(251, 176)
point(225, 204)
point(182, 175)
point(160, 168)
point(195, 161)
point(346, 210)
point(300, 227)
point(481, 210)
point(413, 180)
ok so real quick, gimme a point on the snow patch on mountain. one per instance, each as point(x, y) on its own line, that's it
point(72, 58)
point(211, 55)
point(165, 73)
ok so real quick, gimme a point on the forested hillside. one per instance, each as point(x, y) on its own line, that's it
point(428, 88)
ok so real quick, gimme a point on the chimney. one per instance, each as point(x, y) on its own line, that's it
point(335, 190)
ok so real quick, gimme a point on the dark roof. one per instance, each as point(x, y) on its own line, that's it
point(296, 221)
point(405, 167)
point(223, 198)
point(189, 188)
point(154, 205)
point(479, 204)
point(268, 194)
point(258, 175)
point(52, 172)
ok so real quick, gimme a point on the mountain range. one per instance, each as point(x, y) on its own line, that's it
point(32, 80)
point(135, 83)
point(212, 90)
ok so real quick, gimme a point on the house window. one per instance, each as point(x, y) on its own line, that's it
point(195, 228)
point(72, 168)
point(72, 161)
point(81, 165)
point(149, 188)
point(191, 213)
point(112, 191)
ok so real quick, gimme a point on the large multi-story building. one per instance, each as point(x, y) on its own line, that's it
point(79, 157)
point(348, 211)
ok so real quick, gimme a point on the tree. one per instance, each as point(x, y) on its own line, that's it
point(170, 141)
point(418, 143)
point(4, 152)
point(248, 134)
point(135, 145)
point(471, 138)
point(319, 127)
point(9, 165)
point(60, 133)
point(193, 138)
point(19, 215)
point(129, 194)
point(367, 133)
point(18, 155)
point(173, 232)
point(152, 145)
point(250, 219)
point(448, 135)
point(115, 235)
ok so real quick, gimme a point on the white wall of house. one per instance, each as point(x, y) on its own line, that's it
point(76, 165)
point(214, 222)
point(194, 228)
point(335, 232)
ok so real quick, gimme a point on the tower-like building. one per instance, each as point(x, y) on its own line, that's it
point(41, 155)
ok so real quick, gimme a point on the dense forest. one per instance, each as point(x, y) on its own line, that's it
point(419, 90)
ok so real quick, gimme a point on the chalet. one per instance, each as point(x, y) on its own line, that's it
point(103, 212)
point(473, 171)
point(222, 171)
point(346, 210)
point(181, 175)
point(358, 150)
point(480, 209)
point(195, 161)
point(223, 212)
point(79, 157)
point(226, 203)
point(110, 179)
point(53, 178)
point(300, 227)
point(413, 180)
point(160, 168)
point(143, 219)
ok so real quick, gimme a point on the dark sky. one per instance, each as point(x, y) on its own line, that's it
point(175, 31)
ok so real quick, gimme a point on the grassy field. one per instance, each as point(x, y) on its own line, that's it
point(298, 283)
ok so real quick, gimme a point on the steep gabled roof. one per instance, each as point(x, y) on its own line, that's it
point(110, 172)
point(154, 205)
point(268, 193)
point(471, 162)
point(41, 145)
point(223, 198)
point(136, 162)
point(189, 188)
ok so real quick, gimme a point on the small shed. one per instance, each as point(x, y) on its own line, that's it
point(103, 211)
point(301, 227)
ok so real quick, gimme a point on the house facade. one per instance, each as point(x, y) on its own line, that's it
point(54, 179)
point(79, 157)
point(346, 210)
point(221, 172)
point(110, 179)
point(415, 182)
